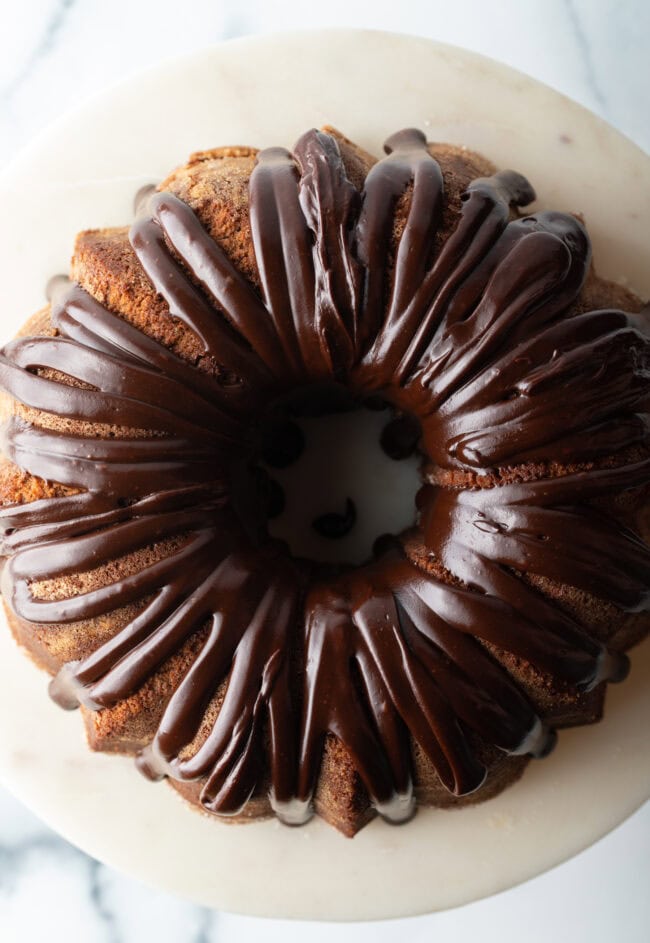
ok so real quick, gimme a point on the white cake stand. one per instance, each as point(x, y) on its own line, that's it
point(83, 173)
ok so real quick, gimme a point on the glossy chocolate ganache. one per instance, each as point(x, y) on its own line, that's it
point(530, 412)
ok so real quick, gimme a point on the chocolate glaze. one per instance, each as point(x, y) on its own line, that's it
point(284, 443)
point(476, 340)
point(399, 438)
point(333, 525)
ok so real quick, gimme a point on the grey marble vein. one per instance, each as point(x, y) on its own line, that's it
point(48, 883)
point(206, 930)
point(584, 48)
point(14, 857)
point(45, 44)
point(104, 913)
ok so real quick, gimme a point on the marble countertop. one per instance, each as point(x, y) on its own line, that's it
point(54, 53)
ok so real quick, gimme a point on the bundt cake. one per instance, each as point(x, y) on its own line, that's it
point(139, 569)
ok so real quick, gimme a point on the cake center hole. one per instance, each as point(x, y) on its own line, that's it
point(337, 482)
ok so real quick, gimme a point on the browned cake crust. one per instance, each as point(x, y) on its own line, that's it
point(215, 185)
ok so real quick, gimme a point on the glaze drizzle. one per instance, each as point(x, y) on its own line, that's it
point(475, 338)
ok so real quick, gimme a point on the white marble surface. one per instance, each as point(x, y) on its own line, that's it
point(55, 52)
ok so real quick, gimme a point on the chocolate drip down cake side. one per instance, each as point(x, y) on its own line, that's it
point(139, 569)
